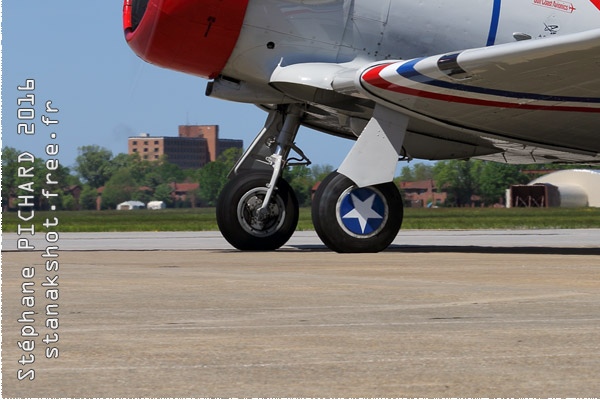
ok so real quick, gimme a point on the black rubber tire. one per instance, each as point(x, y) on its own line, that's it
point(237, 222)
point(330, 227)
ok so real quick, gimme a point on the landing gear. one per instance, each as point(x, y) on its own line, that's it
point(246, 222)
point(257, 209)
point(349, 219)
point(353, 210)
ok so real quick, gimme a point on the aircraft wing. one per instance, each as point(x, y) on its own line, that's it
point(527, 101)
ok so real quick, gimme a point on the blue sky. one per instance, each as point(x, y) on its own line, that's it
point(76, 52)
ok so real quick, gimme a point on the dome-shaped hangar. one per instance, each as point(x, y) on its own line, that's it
point(576, 187)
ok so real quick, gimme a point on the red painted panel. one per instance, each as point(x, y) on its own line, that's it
point(192, 36)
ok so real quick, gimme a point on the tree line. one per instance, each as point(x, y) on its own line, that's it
point(128, 177)
point(464, 179)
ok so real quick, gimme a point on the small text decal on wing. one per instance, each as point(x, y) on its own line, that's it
point(564, 6)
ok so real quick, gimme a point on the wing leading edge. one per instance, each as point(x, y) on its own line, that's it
point(539, 94)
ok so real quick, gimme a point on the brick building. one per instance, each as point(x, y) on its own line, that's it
point(184, 152)
point(422, 194)
point(210, 133)
point(195, 146)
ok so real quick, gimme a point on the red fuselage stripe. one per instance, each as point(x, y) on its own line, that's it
point(373, 78)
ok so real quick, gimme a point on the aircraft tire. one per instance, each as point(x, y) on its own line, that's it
point(237, 213)
point(356, 220)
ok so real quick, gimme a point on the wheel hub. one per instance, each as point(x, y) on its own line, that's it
point(257, 220)
point(362, 212)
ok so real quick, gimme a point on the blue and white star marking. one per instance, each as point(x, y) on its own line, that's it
point(362, 212)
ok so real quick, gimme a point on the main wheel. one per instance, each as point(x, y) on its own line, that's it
point(349, 219)
point(242, 223)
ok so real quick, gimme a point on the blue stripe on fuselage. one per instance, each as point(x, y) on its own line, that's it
point(408, 71)
point(495, 21)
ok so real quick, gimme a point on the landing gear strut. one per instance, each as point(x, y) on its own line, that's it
point(257, 209)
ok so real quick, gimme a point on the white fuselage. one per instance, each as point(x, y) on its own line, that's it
point(344, 31)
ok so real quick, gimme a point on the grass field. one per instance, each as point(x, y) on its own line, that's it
point(203, 219)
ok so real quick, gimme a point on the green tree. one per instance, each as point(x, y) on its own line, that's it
point(230, 156)
point(170, 172)
point(495, 178)
point(213, 176)
point(423, 172)
point(140, 169)
point(143, 194)
point(93, 164)
point(119, 188)
point(457, 177)
point(406, 174)
point(416, 172)
point(10, 180)
point(67, 202)
point(301, 180)
point(155, 173)
point(320, 172)
point(37, 175)
point(123, 160)
point(88, 197)
point(163, 193)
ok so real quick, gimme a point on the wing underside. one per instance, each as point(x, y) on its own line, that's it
point(541, 94)
point(533, 101)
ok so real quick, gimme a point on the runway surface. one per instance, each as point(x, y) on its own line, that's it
point(308, 240)
point(440, 314)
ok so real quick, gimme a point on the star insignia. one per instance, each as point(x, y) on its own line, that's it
point(363, 211)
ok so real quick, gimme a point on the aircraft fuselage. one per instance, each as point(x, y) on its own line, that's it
point(344, 31)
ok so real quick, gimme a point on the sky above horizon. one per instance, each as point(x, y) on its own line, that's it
point(77, 55)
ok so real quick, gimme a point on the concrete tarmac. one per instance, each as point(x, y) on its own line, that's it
point(452, 314)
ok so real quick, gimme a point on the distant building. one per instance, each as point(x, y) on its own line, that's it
point(565, 188)
point(225, 144)
point(196, 146)
point(184, 192)
point(417, 194)
point(156, 205)
point(184, 152)
point(422, 194)
point(210, 133)
point(180, 192)
point(131, 205)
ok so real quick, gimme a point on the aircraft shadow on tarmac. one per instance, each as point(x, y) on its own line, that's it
point(577, 251)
